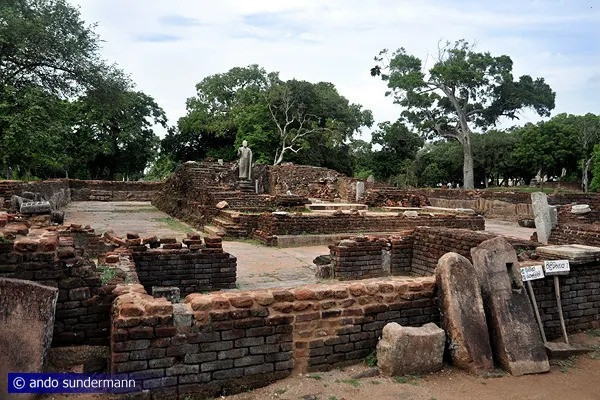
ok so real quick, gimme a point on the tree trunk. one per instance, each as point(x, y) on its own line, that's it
point(468, 178)
point(586, 168)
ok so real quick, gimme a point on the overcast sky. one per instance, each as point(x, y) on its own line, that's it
point(167, 46)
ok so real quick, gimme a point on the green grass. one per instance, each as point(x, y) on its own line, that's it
point(332, 398)
point(407, 379)
point(527, 189)
point(371, 359)
point(352, 381)
point(175, 225)
point(135, 210)
point(593, 333)
point(280, 391)
point(316, 377)
point(254, 242)
point(564, 365)
point(107, 273)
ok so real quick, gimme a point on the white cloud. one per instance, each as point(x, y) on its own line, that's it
point(169, 46)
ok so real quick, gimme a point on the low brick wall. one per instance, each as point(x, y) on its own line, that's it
point(359, 258)
point(82, 310)
point(509, 206)
point(56, 191)
point(271, 225)
point(429, 244)
point(191, 271)
point(308, 181)
point(82, 190)
point(229, 342)
point(573, 233)
point(580, 296)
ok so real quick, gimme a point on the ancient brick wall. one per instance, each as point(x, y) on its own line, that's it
point(573, 233)
point(308, 181)
point(82, 310)
point(86, 242)
point(580, 295)
point(358, 258)
point(191, 270)
point(504, 205)
point(84, 190)
point(429, 244)
point(270, 225)
point(229, 342)
point(56, 191)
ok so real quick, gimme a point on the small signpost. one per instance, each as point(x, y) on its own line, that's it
point(529, 274)
point(556, 268)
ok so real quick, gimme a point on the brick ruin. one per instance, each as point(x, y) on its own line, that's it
point(218, 340)
point(224, 343)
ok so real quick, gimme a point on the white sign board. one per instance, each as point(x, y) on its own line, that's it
point(556, 267)
point(532, 272)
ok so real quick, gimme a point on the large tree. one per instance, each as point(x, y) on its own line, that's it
point(303, 111)
point(281, 120)
point(464, 89)
point(64, 110)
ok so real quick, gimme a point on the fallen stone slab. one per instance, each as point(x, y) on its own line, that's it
point(36, 207)
point(561, 350)
point(581, 209)
point(516, 338)
point(26, 325)
point(406, 350)
point(463, 316)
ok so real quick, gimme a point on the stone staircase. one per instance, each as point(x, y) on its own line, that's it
point(225, 224)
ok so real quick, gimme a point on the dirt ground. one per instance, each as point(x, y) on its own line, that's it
point(258, 266)
point(576, 378)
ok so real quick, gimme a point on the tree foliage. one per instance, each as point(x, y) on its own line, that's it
point(63, 110)
point(292, 120)
point(463, 90)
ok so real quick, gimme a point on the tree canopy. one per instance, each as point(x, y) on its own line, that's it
point(292, 120)
point(464, 89)
point(64, 110)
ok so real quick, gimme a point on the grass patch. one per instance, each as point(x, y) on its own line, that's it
point(593, 333)
point(375, 383)
point(527, 189)
point(280, 391)
point(254, 242)
point(371, 359)
point(174, 224)
point(316, 377)
point(352, 381)
point(135, 210)
point(408, 379)
point(107, 273)
point(564, 365)
point(332, 398)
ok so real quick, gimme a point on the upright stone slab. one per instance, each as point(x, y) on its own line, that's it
point(463, 317)
point(360, 189)
point(542, 216)
point(406, 350)
point(516, 338)
point(26, 323)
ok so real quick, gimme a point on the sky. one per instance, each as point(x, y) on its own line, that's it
point(168, 46)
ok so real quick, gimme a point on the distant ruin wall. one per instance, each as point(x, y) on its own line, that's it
point(56, 191)
point(309, 181)
point(113, 190)
point(271, 225)
point(510, 206)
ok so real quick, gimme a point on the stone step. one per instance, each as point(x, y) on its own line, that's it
point(213, 230)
